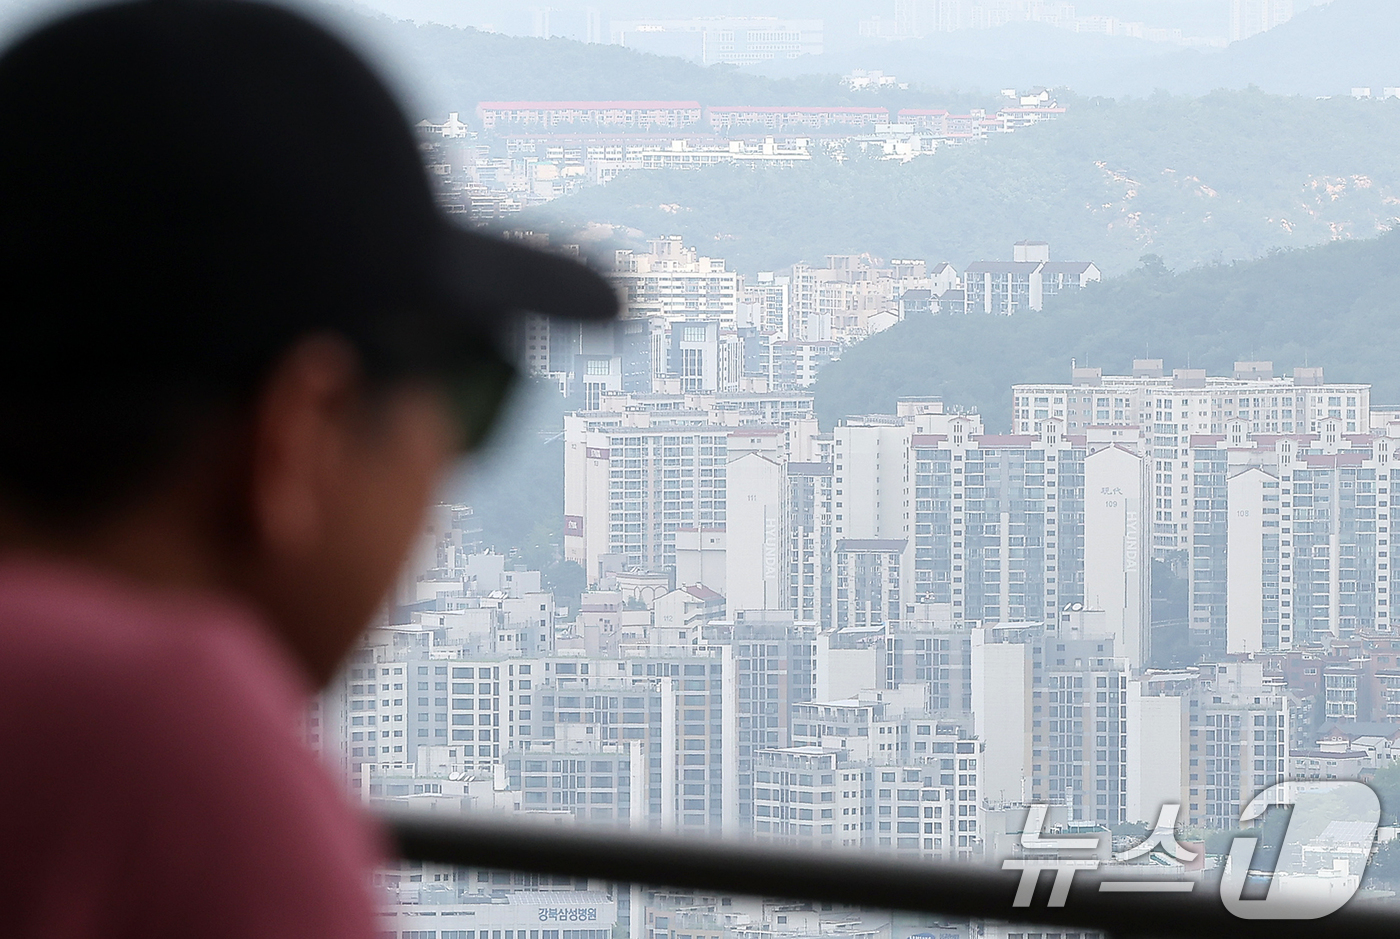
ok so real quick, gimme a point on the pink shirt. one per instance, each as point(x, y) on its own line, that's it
point(154, 783)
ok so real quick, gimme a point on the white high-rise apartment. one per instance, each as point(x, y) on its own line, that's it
point(1251, 17)
point(835, 302)
point(1117, 556)
point(915, 19)
point(639, 470)
point(1208, 738)
point(884, 778)
point(674, 282)
point(1050, 702)
point(1159, 728)
point(1002, 678)
point(809, 500)
point(755, 549)
point(1243, 720)
point(1297, 551)
point(1082, 760)
point(993, 526)
point(1023, 283)
point(765, 303)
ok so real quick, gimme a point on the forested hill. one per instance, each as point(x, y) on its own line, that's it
point(443, 68)
point(1196, 180)
point(1337, 306)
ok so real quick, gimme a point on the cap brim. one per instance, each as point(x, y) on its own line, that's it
point(491, 279)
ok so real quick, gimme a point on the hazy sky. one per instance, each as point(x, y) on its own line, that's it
point(1194, 17)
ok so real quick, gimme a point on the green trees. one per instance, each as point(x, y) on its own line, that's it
point(1337, 306)
point(1385, 864)
point(1386, 782)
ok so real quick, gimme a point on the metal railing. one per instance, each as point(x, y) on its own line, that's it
point(844, 876)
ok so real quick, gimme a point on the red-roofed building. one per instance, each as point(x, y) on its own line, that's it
point(765, 119)
point(536, 116)
point(925, 120)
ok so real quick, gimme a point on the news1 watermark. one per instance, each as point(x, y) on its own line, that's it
point(1316, 873)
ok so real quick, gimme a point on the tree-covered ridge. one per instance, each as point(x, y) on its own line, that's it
point(1337, 306)
point(453, 69)
point(1195, 180)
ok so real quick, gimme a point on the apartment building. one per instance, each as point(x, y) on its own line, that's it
point(695, 356)
point(872, 579)
point(1309, 562)
point(1289, 538)
point(633, 478)
point(672, 716)
point(1360, 680)
point(390, 701)
point(915, 19)
point(1244, 720)
point(593, 785)
point(837, 301)
point(797, 362)
point(641, 468)
point(756, 549)
point(993, 525)
point(765, 302)
point(503, 117)
point(1215, 734)
point(1083, 761)
point(1050, 702)
point(928, 120)
point(809, 555)
point(861, 773)
point(775, 656)
point(764, 119)
point(1161, 741)
point(675, 283)
point(1023, 283)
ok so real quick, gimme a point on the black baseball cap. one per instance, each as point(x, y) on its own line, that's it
point(188, 185)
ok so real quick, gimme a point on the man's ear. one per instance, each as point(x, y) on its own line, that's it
point(301, 422)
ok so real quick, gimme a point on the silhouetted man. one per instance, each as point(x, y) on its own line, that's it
point(240, 346)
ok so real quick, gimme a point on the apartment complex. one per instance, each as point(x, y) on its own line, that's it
point(1169, 410)
point(900, 633)
point(520, 117)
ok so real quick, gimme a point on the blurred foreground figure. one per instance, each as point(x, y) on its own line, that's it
point(239, 347)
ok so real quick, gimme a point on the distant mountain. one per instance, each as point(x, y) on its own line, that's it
point(1337, 306)
point(441, 69)
point(1325, 50)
